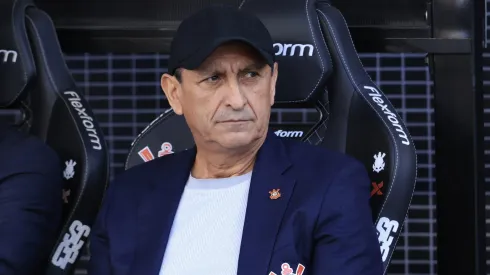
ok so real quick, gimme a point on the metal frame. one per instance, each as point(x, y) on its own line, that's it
point(366, 39)
point(458, 116)
point(101, 35)
point(455, 53)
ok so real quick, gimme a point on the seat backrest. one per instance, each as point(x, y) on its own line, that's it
point(319, 65)
point(366, 125)
point(35, 78)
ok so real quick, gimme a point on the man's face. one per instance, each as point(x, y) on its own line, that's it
point(227, 100)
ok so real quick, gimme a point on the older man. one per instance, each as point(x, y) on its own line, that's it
point(242, 201)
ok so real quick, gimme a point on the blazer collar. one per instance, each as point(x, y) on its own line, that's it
point(264, 211)
point(263, 215)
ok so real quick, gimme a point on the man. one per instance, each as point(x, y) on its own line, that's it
point(243, 201)
point(30, 202)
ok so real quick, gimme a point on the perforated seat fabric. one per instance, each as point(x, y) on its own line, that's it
point(38, 81)
point(319, 67)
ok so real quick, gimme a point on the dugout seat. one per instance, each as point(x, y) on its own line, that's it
point(35, 79)
point(319, 67)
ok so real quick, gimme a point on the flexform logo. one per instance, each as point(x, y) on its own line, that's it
point(7, 56)
point(377, 98)
point(87, 121)
point(293, 49)
point(288, 134)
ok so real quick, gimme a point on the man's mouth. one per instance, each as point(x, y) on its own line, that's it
point(234, 121)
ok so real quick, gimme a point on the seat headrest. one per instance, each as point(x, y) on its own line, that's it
point(17, 69)
point(301, 53)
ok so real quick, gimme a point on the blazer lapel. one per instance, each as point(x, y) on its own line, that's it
point(157, 211)
point(264, 213)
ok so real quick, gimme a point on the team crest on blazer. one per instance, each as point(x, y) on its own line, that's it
point(287, 270)
point(274, 194)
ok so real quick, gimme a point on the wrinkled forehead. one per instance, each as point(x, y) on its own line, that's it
point(233, 55)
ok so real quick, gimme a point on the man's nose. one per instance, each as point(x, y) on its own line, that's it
point(235, 97)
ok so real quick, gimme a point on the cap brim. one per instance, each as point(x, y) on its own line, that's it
point(193, 62)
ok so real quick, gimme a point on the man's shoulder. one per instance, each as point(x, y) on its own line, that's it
point(314, 163)
point(157, 167)
point(305, 154)
point(137, 181)
point(26, 153)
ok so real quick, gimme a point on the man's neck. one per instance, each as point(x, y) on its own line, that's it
point(224, 164)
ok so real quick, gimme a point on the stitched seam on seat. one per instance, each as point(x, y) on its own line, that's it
point(241, 4)
point(318, 52)
point(15, 39)
point(376, 111)
point(408, 134)
point(323, 125)
point(85, 172)
point(389, 130)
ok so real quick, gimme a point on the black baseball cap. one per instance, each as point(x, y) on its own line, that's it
point(201, 33)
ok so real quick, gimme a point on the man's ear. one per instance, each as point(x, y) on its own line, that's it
point(275, 73)
point(172, 89)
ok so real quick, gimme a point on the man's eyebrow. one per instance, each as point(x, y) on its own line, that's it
point(207, 70)
point(254, 66)
point(214, 69)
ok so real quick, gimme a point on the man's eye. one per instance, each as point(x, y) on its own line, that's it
point(251, 74)
point(213, 78)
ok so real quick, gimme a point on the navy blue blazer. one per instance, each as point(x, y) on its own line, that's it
point(321, 223)
point(31, 202)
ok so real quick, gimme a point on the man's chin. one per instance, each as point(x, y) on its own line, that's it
point(233, 140)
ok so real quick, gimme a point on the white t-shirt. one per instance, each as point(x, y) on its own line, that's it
point(207, 230)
